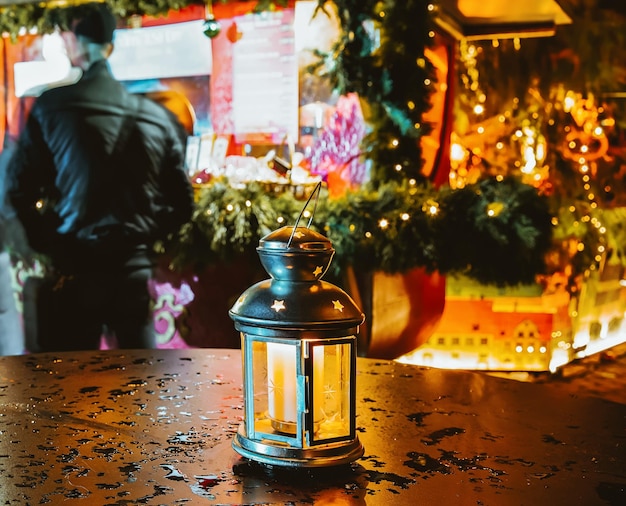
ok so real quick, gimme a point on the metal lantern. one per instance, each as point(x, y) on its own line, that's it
point(299, 356)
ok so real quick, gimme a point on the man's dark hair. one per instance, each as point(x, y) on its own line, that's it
point(96, 22)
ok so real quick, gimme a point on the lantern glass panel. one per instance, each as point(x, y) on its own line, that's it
point(331, 379)
point(278, 389)
point(259, 383)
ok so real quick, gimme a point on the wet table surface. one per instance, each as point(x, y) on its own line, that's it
point(155, 427)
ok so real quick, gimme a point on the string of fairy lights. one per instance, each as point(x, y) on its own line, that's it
point(540, 139)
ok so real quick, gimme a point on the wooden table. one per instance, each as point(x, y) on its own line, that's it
point(155, 427)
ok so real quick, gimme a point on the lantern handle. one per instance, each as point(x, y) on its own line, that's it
point(316, 191)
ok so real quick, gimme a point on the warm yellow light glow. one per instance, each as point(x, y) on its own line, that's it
point(281, 372)
point(404, 216)
point(230, 207)
point(457, 152)
point(479, 109)
point(431, 207)
point(248, 203)
point(494, 209)
point(282, 384)
point(529, 158)
point(383, 223)
point(540, 151)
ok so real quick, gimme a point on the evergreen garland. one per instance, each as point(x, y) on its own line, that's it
point(380, 56)
point(496, 231)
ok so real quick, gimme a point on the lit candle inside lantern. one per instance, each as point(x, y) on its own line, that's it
point(282, 386)
point(281, 374)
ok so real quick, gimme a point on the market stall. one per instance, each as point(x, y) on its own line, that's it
point(426, 174)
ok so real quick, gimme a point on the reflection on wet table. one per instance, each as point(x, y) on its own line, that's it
point(155, 427)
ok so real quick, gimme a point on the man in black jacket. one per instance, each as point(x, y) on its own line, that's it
point(98, 176)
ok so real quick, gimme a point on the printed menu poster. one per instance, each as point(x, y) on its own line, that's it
point(265, 78)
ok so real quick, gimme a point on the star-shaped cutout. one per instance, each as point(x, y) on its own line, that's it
point(278, 305)
point(338, 305)
point(318, 271)
point(298, 234)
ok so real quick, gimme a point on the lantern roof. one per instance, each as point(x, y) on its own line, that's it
point(295, 298)
point(313, 307)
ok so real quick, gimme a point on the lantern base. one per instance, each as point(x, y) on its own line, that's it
point(278, 455)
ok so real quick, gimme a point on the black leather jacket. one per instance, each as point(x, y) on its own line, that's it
point(108, 164)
